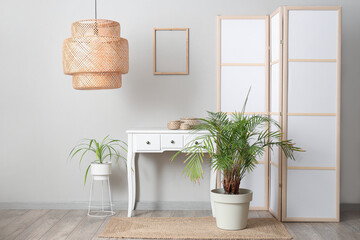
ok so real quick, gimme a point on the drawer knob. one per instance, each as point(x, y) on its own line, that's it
point(172, 141)
point(196, 142)
point(147, 142)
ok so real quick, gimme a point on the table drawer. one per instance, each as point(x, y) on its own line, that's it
point(190, 137)
point(172, 141)
point(147, 142)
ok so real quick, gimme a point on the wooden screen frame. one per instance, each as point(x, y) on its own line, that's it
point(187, 51)
point(286, 60)
point(280, 62)
point(267, 90)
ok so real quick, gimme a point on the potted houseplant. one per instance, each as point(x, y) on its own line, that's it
point(104, 150)
point(234, 144)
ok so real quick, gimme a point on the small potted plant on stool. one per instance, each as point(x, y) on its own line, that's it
point(100, 167)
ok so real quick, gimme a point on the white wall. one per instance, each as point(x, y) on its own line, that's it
point(42, 117)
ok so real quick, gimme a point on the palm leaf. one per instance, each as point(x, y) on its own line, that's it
point(234, 143)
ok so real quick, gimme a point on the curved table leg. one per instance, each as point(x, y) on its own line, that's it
point(130, 173)
point(133, 181)
point(212, 186)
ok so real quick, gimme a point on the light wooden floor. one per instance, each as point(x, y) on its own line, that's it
point(75, 224)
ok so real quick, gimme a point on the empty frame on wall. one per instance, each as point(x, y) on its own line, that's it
point(171, 51)
point(292, 61)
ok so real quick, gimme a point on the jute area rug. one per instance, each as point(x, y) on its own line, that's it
point(191, 228)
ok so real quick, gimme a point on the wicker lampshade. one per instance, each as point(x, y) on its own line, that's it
point(95, 54)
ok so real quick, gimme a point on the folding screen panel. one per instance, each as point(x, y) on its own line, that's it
point(243, 63)
point(312, 113)
point(292, 63)
point(275, 109)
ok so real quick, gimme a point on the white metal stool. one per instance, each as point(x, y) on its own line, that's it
point(105, 207)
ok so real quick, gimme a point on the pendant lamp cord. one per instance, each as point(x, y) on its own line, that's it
point(96, 30)
point(95, 9)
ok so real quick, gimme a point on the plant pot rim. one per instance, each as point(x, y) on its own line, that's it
point(244, 196)
point(221, 191)
point(95, 163)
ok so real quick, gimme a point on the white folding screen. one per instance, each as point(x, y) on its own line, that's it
point(311, 62)
point(292, 61)
point(243, 63)
point(275, 109)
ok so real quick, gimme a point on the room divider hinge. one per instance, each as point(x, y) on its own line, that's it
point(281, 42)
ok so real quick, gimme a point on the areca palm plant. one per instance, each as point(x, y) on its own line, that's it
point(104, 151)
point(234, 144)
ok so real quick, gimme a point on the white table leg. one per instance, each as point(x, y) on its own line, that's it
point(130, 172)
point(212, 186)
point(133, 182)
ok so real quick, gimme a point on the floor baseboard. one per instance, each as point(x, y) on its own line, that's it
point(119, 205)
point(350, 207)
point(116, 205)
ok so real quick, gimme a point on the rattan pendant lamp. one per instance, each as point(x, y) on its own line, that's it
point(95, 55)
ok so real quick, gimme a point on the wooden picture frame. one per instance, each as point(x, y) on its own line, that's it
point(155, 70)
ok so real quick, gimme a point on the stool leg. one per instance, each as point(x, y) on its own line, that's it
point(91, 190)
point(110, 200)
point(102, 195)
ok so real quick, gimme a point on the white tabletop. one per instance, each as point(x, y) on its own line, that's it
point(163, 130)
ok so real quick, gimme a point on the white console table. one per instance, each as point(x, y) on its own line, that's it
point(156, 141)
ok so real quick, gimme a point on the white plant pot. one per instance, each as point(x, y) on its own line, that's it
point(231, 210)
point(100, 171)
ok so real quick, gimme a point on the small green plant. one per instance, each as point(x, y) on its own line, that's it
point(104, 151)
point(234, 143)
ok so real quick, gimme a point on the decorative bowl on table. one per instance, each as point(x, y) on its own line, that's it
point(173, 125)
point(192, 122)
point(185, 126)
